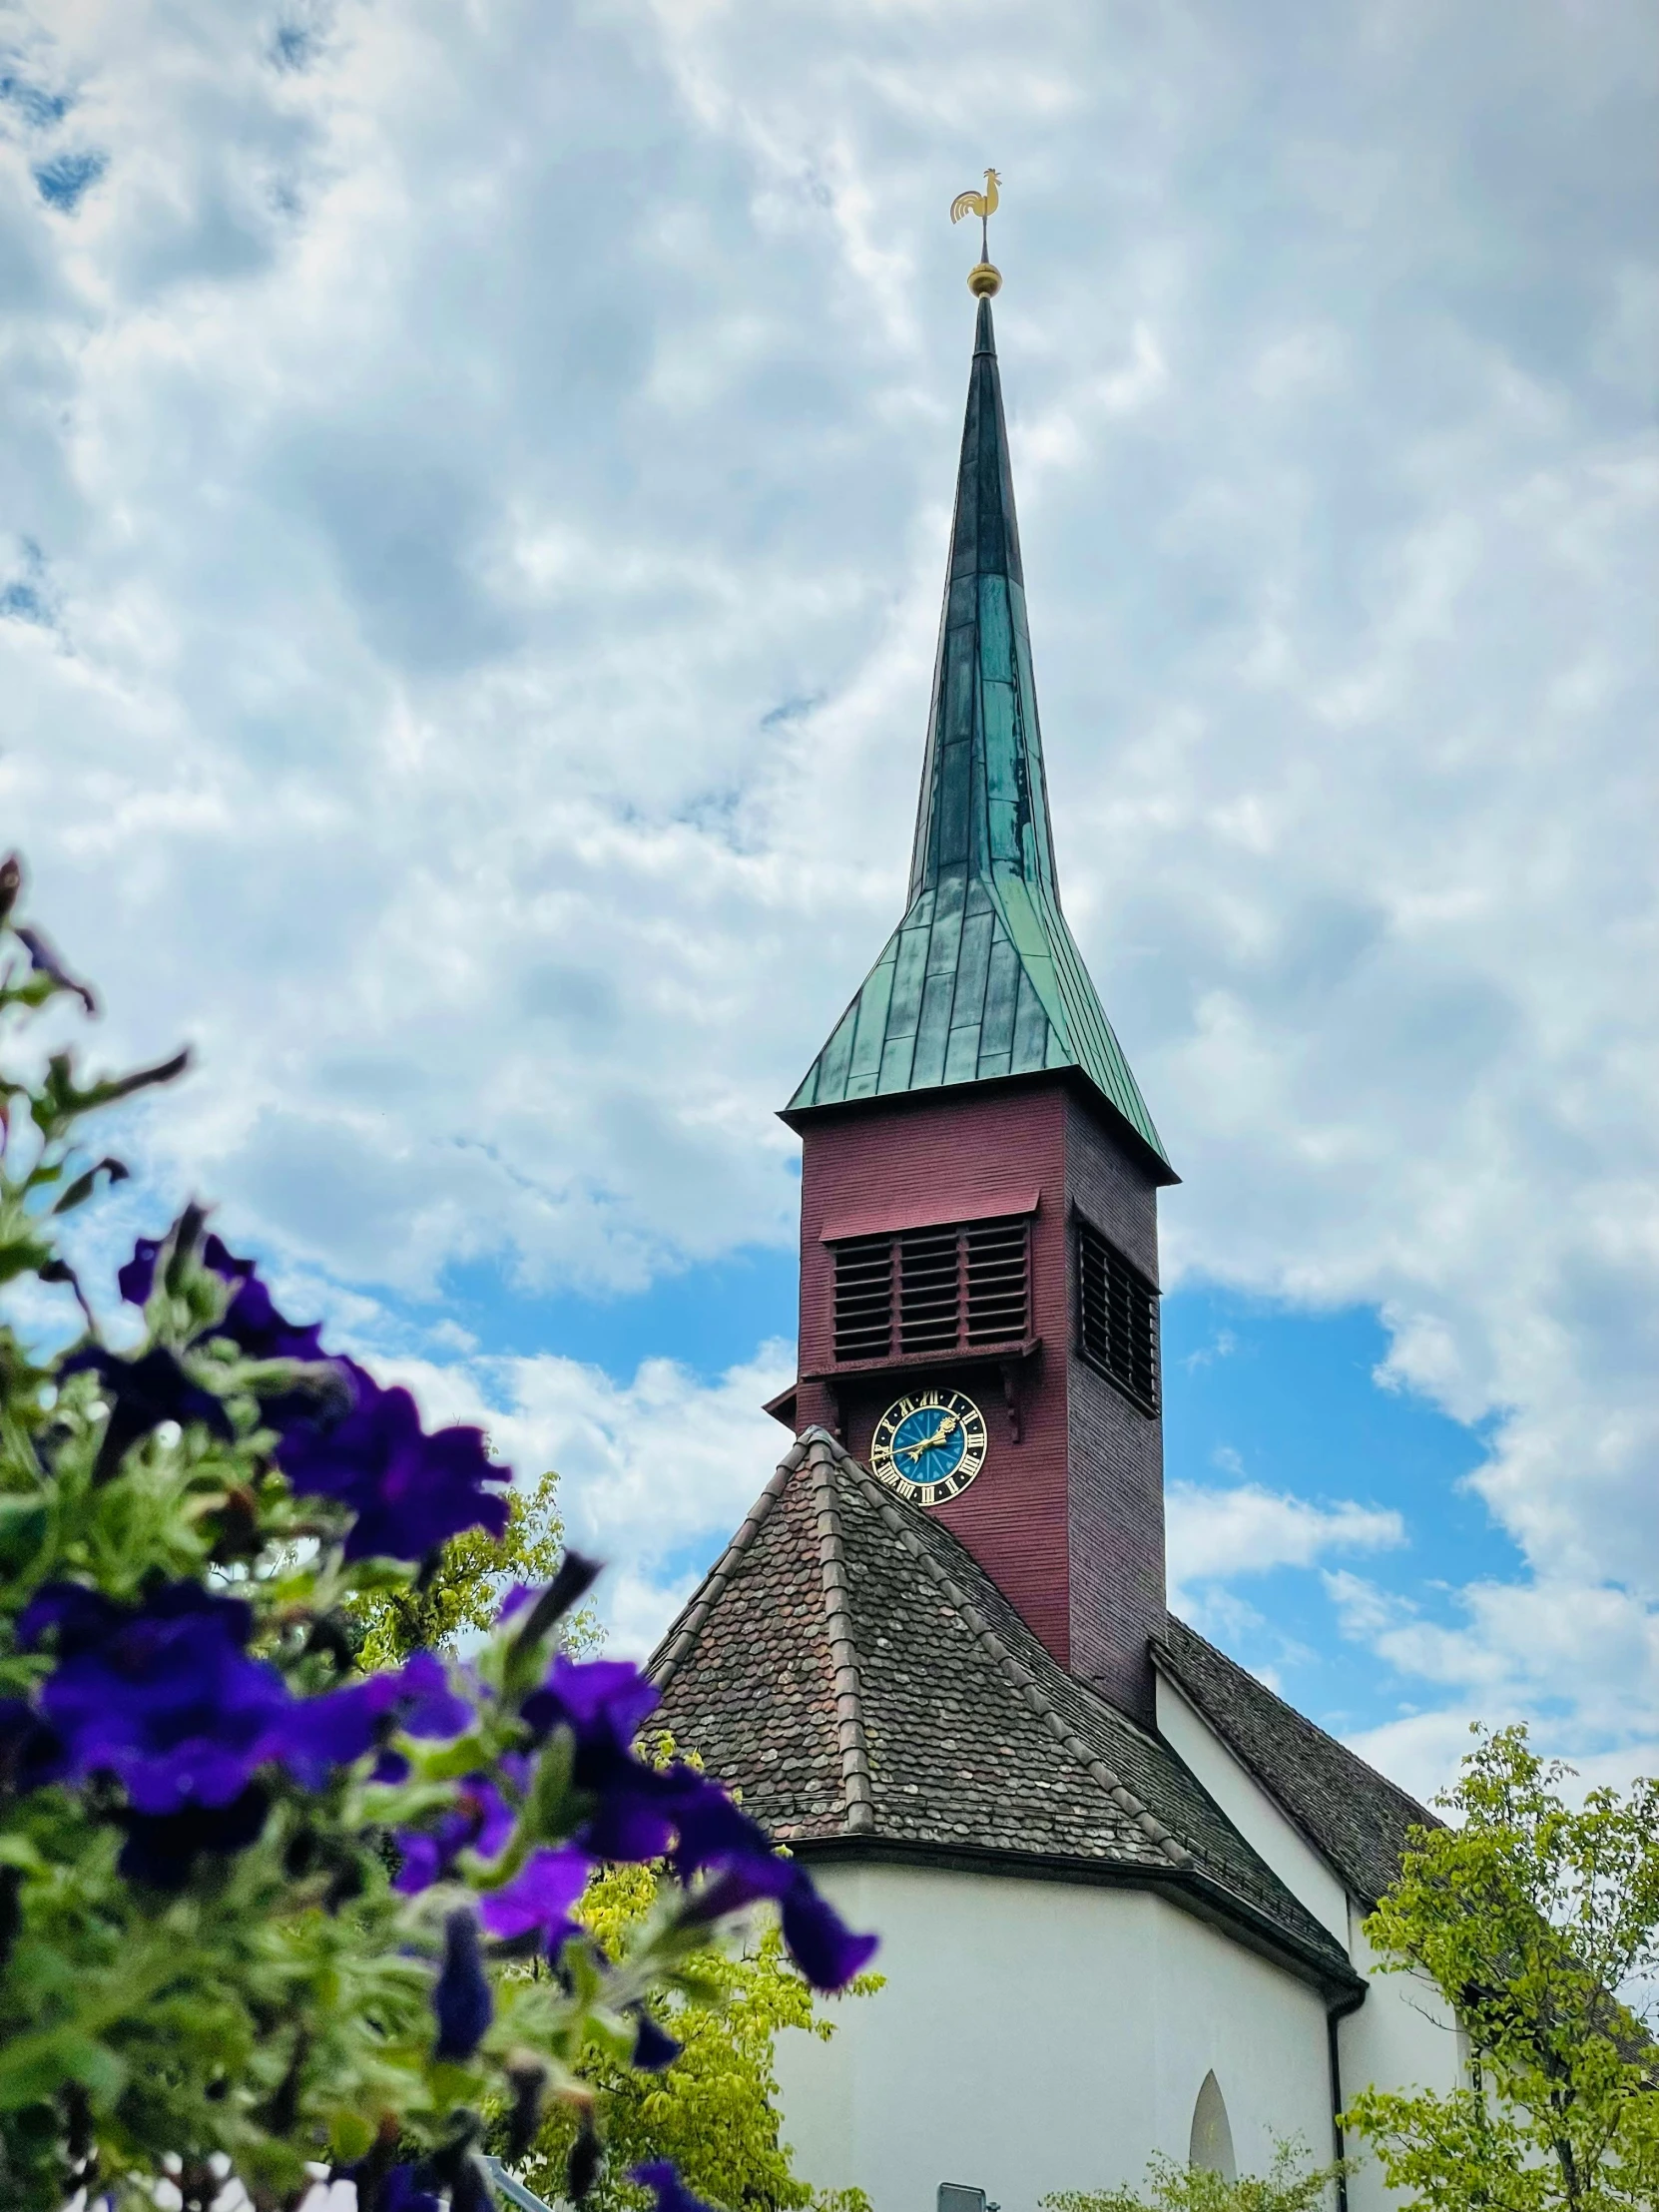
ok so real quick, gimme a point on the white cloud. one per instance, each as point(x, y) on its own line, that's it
point(476, 490)
point(1217, 1534)
point(650, 1471)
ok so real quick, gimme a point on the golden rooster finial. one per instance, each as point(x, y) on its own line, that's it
point(983, 280)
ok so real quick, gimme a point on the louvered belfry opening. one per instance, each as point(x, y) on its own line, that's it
point(864, 1298)
point(1117, 1317)
point(956, 1288)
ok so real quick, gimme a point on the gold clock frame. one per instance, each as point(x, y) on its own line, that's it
point(958, 1407)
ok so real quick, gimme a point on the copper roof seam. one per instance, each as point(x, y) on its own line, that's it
point(860, 1807)
point(670, 1655)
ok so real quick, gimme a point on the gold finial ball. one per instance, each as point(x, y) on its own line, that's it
point(985, 282)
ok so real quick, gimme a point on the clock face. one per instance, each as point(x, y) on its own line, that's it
point(931, 1446)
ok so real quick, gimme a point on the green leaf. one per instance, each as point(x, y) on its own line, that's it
point(24, 1522)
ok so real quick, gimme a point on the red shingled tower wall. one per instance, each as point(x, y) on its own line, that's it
point(1067, 1516)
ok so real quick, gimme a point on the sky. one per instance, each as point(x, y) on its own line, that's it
point(474, 494)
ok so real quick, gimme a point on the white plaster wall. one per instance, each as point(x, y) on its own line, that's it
point(1036, 2036)
point(1403, 2036)
point(1252, 1813)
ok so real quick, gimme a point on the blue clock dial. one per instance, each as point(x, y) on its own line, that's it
point(931, 1446)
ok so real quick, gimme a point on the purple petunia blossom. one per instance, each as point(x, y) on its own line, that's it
point(137, 1279)
point(30, 1754)
point(538, 1898)
point(653, 2046)
point(144, 1393)
point(410, 1492)
point(163, 1847)
point(252, 1321)
point(461, 1997)
point(820, 1941)
point(429, 1707)
point(603, 1701)
point(163, 1697)
point(641, 1812)
point(480, 1821)
point(403, 2189)
point(668, 2190)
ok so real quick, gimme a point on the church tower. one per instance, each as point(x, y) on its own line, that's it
point(979, 1173)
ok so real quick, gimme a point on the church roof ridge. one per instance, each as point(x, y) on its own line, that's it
point(671, 1653)
point(982, 978)
point(822, 1451)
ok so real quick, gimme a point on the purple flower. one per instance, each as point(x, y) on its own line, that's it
point(461, 1994)
point(538, 1898)
point(653, 2046)
point(480, 1821)
point(428, 1706)
point(641, 1812)
point(144, 1393)
point(163, 1697)
point(602, 1701)
point(30, 1754)
point(668, 2190)
point(409, 1491)
point(820, 1941)
point(252, 1321)
point(403, 2189)
point(162, 1848)
point(137, 1279)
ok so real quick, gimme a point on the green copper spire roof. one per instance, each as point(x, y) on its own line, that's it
point(983, 977)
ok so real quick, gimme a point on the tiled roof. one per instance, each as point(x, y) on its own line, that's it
point(1349, 1811)
point(983, 977)
point(852, 1670)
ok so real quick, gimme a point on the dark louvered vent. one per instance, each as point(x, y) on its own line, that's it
point(863, 1299)
point(929, 1289)
point(957, 1288)
point(1117, 1317)
point(998, 1279)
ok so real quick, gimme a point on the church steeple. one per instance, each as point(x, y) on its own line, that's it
point(982, 978)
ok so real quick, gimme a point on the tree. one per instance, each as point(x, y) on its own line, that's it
point(261, 1909)
point(712, 2109)
point(1292, 2185)
point(1539, 1922)
point(462, 1590)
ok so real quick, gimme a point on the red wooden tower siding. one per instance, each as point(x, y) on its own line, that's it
point(980, 1172)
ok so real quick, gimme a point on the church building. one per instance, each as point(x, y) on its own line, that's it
point(1119, 1884)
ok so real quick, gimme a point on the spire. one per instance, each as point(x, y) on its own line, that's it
point(983, 977)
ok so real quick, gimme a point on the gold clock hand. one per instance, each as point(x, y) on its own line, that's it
point(940, 1434)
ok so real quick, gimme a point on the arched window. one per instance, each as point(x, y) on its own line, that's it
point(1212, 2140)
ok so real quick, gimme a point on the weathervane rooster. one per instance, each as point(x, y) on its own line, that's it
point(983, 280)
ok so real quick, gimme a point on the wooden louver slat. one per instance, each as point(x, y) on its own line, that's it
point(863, 1299)
point(932, 1289)
point(1117, 1317)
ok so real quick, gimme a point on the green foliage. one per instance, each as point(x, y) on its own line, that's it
point(1540, 1923)
point(225, 1971)
point(713, 2113)
point(462, 1594)
point(1292, 2185)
